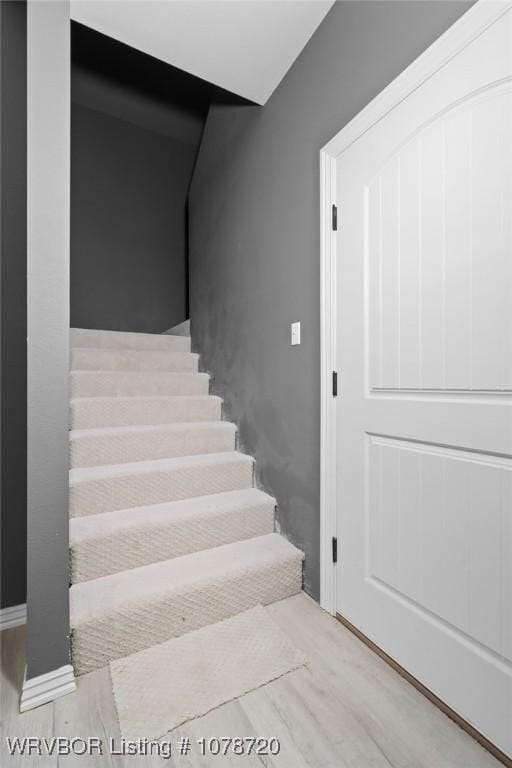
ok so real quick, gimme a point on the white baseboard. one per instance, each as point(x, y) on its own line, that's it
point(44, 688)
point(13, 616)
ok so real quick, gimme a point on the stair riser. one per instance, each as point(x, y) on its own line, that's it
point(119, 340)
point(98, 450)
point(91, 497)
point(90, 413)
point(142, 544)
point(129, 360)
point(171, 614)
point(126, 384)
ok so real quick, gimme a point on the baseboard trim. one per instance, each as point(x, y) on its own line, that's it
point(439, 703)
point(44, 688)
point(13, 616)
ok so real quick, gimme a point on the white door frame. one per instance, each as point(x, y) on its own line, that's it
point(475, 21)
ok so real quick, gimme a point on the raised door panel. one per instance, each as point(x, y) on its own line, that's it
point(439, 254)
point(437, 523)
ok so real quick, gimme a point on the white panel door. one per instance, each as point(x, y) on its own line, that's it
point(424, 413)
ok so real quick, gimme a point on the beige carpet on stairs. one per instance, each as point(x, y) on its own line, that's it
point(162, 687)
point(168, 533)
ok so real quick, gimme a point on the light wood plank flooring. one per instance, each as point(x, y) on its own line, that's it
point(346, 709)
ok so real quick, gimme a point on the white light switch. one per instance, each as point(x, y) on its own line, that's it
point(295, 333)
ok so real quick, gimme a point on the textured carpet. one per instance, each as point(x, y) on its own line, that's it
point(126, 612)
point(129, 538)
point(159, 688)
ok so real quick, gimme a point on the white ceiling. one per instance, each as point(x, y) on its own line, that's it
point(244, 46)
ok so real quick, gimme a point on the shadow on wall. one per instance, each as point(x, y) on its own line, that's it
point(136, 126)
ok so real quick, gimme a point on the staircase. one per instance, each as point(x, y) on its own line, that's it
point(167, 531)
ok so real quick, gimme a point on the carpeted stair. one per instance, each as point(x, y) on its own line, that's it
point(167, 532)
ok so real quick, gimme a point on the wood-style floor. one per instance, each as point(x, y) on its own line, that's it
point(346, 709)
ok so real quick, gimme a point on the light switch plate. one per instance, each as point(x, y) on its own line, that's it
point(295, 333)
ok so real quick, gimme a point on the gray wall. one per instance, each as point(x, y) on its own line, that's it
point(129, 185)
point(13, 242)
point(254, 242)
point(48, 104)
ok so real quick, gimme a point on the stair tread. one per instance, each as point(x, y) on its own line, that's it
point(143, 410)
point(140, 373)
point(83, 336)
point(143, 398)
point(104, 332)
point(131, 351)
point(92, 383)
point(136, 351)
point(105, 359)
point(94, 599)
point(93, 526)
point(225, 426)
point(79, 474)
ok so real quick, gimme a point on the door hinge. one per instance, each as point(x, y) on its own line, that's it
point(335, 383)
point(334, 549)
point(335, 217)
